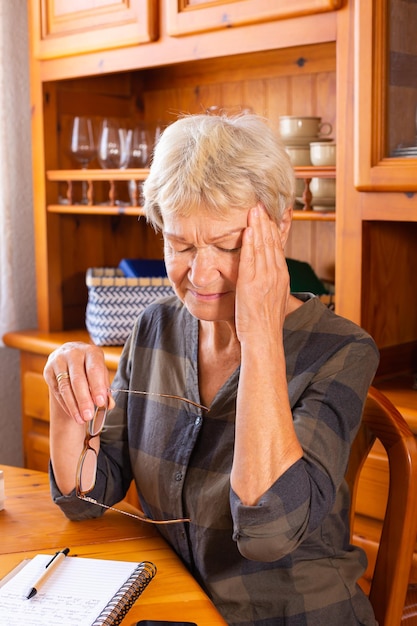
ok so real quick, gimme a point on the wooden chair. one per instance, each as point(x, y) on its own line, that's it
point(389, 584)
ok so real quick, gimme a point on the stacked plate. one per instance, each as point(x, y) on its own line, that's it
point(410, 152)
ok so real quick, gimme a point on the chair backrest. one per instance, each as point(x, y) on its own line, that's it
point(381, 420)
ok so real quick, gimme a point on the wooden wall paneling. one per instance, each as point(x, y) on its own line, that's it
point(98, 241)
point(303, 96)
point(234, 94)
point(299, 243)
point(314, 242)
point(199, 98)
point(278, 98)
point(326, 99)
point(254, 95)
point(324, 250)
point(389, 261)
point(161, 104)
point(82, 246)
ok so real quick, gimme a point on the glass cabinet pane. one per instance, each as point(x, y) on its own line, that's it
point(386, 96)
point(402, 78)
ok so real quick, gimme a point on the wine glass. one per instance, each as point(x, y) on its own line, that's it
point(141, 147)
point(113, 150)
point(113, 145)
point(140, 154)
point(82, 147)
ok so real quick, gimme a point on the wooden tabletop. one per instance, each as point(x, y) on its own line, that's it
point(31, 524)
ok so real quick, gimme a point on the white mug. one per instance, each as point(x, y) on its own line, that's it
point(323, 187)
point(323, 153)
point(299, 155)
point(296, 126)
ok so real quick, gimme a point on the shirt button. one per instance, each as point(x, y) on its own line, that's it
point(178, 476)
point(197, 421)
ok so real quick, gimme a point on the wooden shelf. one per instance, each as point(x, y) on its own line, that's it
point(309, 215)
point(299, 215)
point(95, 209)
point(111, 176)
point(96, 175)
point(311, 171)
point(141, 174)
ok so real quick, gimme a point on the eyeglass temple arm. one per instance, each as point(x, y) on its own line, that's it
point(159, 395)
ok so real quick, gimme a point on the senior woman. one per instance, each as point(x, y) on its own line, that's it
point(256, 483)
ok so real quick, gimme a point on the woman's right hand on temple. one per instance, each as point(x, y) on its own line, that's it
point(78, 379)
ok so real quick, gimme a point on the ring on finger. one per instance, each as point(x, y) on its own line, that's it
point(61, 376)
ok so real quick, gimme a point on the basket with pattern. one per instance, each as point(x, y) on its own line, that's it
point(115, 301)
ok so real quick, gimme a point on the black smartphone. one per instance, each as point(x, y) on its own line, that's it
point(152, 622)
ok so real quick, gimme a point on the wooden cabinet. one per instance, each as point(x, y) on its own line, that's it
point(191, 16)
point(61, 28)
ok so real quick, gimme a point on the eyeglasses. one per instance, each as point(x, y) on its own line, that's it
point(85, 478)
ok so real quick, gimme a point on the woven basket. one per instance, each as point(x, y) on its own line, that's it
point(114, 302)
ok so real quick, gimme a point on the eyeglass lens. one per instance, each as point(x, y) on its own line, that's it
point(95, 426)
point(87, 465)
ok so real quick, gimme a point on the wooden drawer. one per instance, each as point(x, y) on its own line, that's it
point(35, 397)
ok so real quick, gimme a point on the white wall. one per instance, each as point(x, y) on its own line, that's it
point(14, 32)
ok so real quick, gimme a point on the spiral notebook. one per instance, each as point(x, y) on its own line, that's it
point(81, 592)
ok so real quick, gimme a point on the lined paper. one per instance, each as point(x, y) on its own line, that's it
point(74, 595)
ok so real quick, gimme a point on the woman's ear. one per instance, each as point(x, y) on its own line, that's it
point(285, 225)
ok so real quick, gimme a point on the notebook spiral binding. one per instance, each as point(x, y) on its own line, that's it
point(127, 595)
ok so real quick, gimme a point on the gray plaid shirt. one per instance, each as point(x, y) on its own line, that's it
point(287, 560)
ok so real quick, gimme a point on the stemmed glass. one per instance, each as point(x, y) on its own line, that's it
point(140, 154)
point(113, 149)
point(82, 147)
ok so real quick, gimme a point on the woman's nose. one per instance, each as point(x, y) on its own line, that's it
point(203, 269)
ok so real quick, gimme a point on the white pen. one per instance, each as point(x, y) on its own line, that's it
point(49, 568)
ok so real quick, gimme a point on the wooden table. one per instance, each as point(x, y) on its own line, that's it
point(31, 524)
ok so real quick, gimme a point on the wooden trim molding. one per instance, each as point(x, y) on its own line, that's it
point(185, 17)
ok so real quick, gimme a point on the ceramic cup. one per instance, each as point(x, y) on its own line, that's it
point(323, 153)
point(296, 126)
point(299, 155)
point(323, 187)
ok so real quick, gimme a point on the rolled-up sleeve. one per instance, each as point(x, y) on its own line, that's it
point(326, 417)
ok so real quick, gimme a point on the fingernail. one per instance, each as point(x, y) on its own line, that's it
point(87, 415)
point(101, 401)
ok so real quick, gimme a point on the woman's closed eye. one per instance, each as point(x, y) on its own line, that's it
point(229, 250)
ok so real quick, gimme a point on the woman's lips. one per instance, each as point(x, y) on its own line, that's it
point(207, 297)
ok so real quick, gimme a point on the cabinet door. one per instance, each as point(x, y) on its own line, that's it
point(191, 16)
point(386, 96)
point(61, 28)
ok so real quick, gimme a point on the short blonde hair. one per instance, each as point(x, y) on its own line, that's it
point(218, 163)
